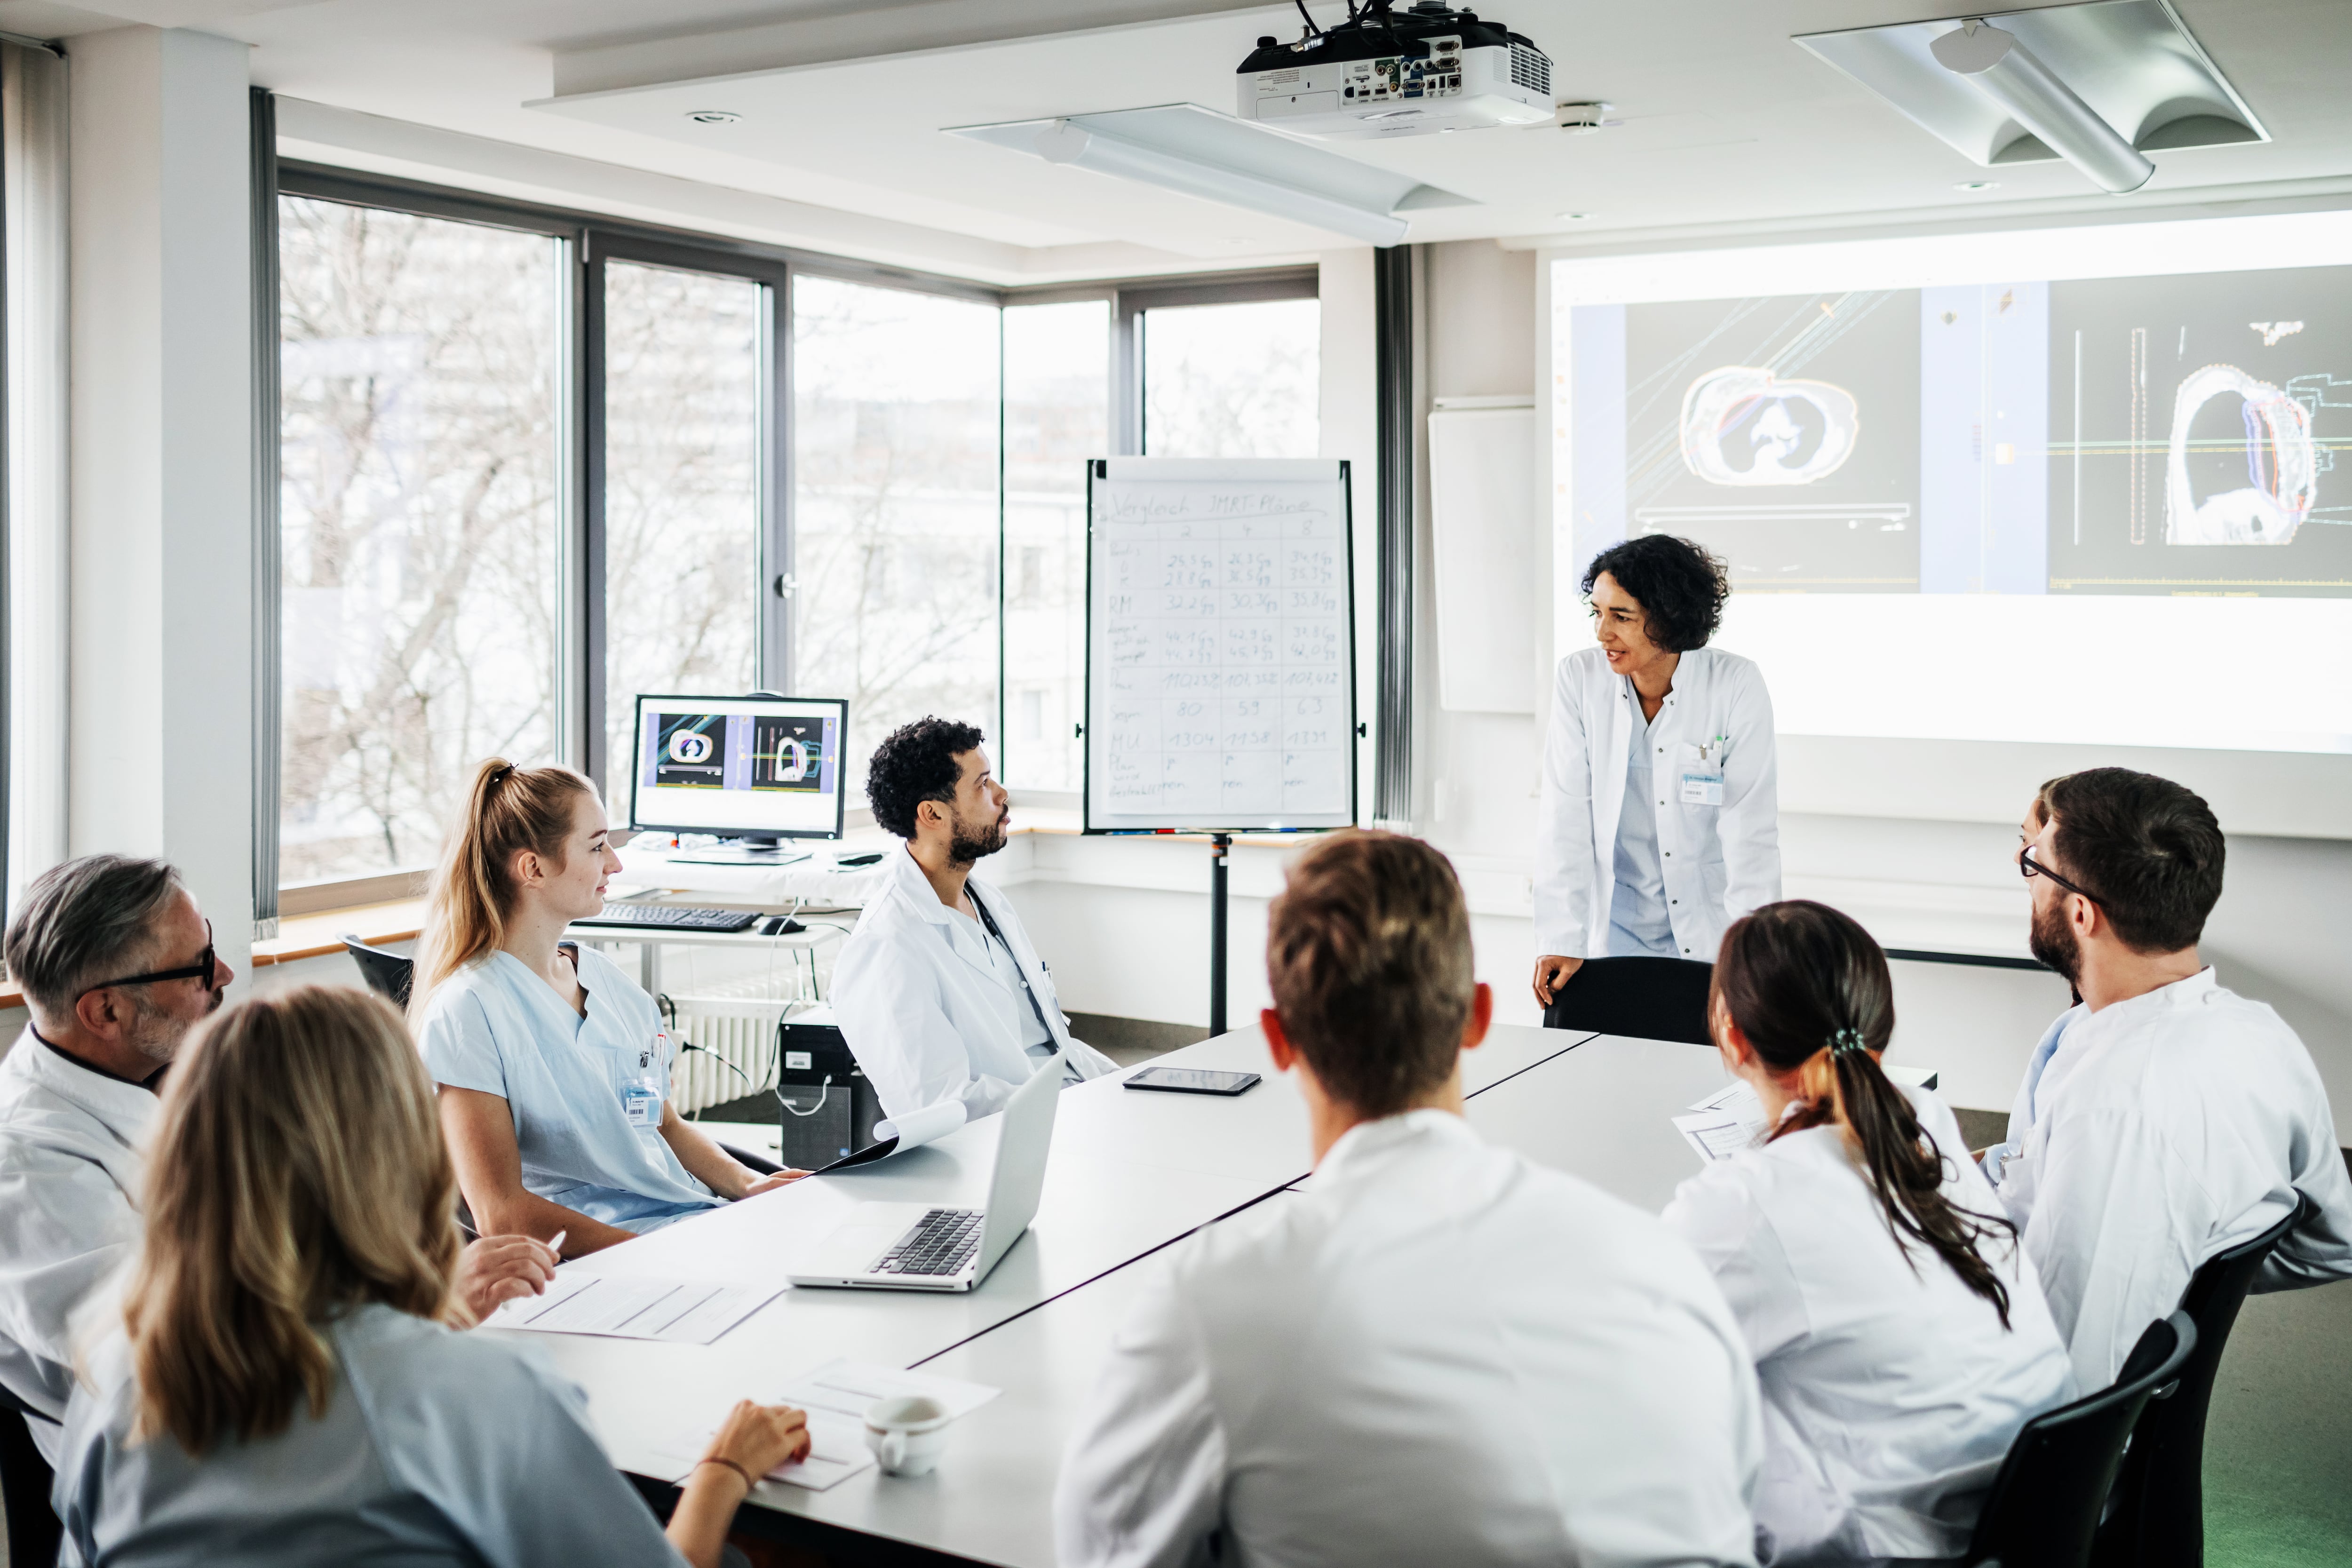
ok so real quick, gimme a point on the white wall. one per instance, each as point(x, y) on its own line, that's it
point(160, 754)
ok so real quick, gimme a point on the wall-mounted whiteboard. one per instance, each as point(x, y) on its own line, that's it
point(1482, 515)
point(1221, 688)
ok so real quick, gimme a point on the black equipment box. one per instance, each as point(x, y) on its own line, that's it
point(823, 1120)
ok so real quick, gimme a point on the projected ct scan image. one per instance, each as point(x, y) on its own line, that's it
point(2195, 425)
point(1782, 434)
point(2051, 487)
point(2106, 436)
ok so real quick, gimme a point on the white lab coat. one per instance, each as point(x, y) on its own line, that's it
point(72, 1160)
point(1437, 1353)
point(926, 1011)
point(1720, 861)
point(1892, 1392)
point(2154, 1134)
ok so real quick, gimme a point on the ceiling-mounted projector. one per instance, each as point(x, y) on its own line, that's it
point(1385, 73)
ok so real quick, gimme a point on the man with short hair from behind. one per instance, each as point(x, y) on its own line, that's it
point(1436, 1352)
point(117, 965)
point(2162, 1120)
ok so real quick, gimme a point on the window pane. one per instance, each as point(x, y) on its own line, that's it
point(1056, 416)
point(421, 525)
point(682, 494)
point(1233, 381)
point(894, 524)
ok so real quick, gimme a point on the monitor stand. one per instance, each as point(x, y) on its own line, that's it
point(753, 851)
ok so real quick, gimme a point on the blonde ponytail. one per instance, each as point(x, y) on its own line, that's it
point(472, 894)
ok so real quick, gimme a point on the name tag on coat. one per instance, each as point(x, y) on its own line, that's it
point(1702, 773)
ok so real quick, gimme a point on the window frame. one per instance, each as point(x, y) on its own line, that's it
point(588, 241)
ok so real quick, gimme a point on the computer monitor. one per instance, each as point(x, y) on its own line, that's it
point(758, 768)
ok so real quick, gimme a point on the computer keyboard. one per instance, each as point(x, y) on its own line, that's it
point(942, 1242)
point(671, 916)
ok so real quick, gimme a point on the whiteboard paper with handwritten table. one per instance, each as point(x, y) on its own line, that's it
point(1221, 689)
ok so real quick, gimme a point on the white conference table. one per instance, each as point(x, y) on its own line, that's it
point(1130, 1173)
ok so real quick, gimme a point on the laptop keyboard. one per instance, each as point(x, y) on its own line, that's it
point(942, 1242)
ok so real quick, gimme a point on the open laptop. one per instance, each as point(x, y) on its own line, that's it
point(924, 1247)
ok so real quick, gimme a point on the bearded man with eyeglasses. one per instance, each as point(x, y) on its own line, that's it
point(2163, 1118)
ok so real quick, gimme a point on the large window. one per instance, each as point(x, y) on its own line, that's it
point(534, 464)
point(681, 493)
point(895, 521)
point(1055, 418)
point(421, 521)
point(1232, 381)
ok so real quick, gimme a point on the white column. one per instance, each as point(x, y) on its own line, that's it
point(162, 561)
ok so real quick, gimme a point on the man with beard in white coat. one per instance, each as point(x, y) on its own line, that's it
point(2162, 1119)
point(1437, 1353)
point(938, 992)
point(117, 965)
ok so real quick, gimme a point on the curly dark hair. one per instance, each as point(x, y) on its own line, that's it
point(1680, 587)
point(916, 763)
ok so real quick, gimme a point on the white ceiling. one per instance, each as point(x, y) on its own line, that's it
point(1730, 126)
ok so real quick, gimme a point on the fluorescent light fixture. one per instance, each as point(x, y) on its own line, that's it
point(2005, 70)
point(1215, 157)
point(2100, 85)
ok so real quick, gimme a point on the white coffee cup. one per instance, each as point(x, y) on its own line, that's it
point(907, 1433)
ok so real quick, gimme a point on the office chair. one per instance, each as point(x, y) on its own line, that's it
point(387, 974)
point(2044, 1506)
point(2159, 1519)
point(1646, 998)
point(34, 1533)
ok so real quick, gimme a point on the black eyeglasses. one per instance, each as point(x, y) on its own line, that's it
point(2028, 867)
point(206, 968)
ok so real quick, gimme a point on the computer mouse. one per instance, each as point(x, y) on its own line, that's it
point(780, 925)
point(869, 858)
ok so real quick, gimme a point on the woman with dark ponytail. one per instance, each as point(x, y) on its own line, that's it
point(1899, 1332)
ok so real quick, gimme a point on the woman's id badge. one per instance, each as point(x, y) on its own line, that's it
point(1701, 772)
point(641, 1097)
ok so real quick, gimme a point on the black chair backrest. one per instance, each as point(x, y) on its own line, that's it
point(2044, 1506)
point(1646, 998)
point(387, 974)
point(2158, 1520)
point(34, 1533)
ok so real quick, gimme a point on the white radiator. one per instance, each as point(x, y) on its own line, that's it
point(737, 1031)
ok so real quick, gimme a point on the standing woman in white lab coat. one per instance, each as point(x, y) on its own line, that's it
point(1660, 820)
point(1899, 1331)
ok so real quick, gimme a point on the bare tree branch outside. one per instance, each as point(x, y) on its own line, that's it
point(420, 529)
point(897, 446)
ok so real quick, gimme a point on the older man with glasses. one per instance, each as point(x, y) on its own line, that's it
point(2162, 1117)
point(117, 965)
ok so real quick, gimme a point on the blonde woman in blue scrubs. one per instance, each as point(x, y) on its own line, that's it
point(553, 1066)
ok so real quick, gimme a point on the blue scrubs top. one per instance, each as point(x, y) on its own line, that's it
point(437, 1450)
point(497, 1027)
point(1638, 926)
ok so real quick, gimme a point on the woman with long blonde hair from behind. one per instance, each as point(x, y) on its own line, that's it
point(283, 1386)
point(553, 1066)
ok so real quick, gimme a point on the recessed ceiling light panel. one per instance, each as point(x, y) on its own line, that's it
point(2129, 64)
